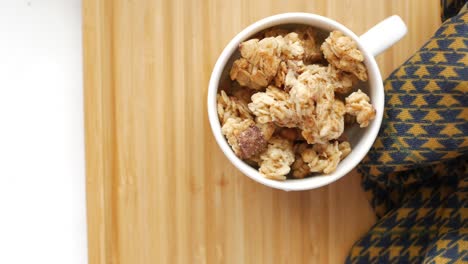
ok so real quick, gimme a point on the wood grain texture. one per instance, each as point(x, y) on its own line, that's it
point(159, 190)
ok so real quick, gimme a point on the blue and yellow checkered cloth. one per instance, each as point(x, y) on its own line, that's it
point(416, 174)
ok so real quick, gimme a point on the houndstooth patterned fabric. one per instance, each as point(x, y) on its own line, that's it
point(416, 174)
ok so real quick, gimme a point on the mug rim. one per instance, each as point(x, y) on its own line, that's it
point(356, 155)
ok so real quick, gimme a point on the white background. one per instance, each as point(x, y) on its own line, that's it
point(42, 182)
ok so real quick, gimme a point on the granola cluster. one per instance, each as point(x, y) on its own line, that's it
point(290, 99)
point(358, 105)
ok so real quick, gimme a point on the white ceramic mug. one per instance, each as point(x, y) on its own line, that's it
point(371, 43)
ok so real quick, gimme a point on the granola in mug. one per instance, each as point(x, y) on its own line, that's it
point(290, 99)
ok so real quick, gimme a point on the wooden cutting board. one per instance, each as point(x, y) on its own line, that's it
point(159, 190)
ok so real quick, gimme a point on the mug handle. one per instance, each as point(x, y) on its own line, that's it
point(383, 35)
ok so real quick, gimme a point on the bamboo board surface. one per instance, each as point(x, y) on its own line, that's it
point(159, 190)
